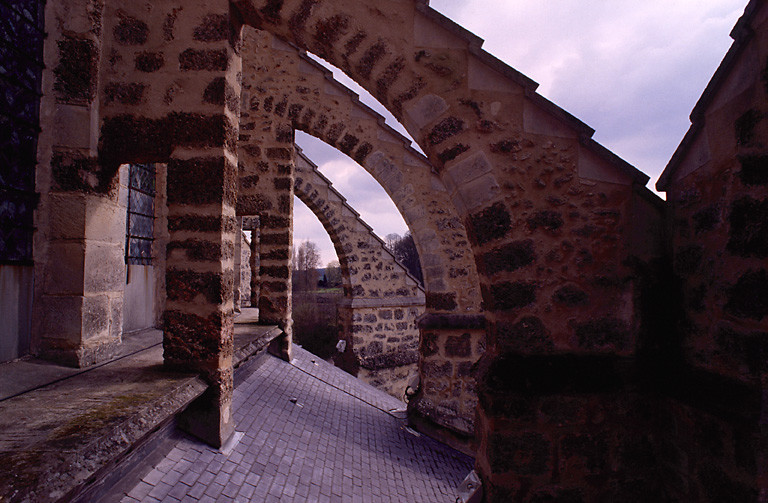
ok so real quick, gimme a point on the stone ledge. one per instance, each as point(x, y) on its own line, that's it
point(74, 427)
point(57, 440)
point(382, 302)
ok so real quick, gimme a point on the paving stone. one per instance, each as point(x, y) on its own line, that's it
point(311, 433)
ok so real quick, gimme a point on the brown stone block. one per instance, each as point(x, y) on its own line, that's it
point(276, 238)
point(97, 315)
point(510, 257)
point(73, 172)
point(204, 60)
point(149, 62)
point(201, 223)
point(131, 31)
point(199, 250)
point(213, 28)
point(68, 216)
point(459, 346)
point(250, 205)
point(546, 219)
point(604, 334)
point(186, 176)
point(60, 322)
point(76, 72)
point(124, 93)
point(187, 286)
point(441, 301)
point(570, 296)
point(278, 153)
point(512, 295)
point(369, 60)
point(275, 272)
point(491, 223)
point(528, 335)
point(446, 128)
point(66, 274)
point(748, 221)
point(748, 298)
point(193, 340)
point(523, 453)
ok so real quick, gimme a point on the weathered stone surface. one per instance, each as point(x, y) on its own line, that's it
point(492, 223)
point(748, 298)
point(749, 228)
point(525, 454)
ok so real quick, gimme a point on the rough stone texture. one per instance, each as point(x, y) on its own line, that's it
point(718, 220)
point(448, 369)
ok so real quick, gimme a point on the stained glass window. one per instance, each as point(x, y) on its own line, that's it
point(21, 65)
point(139, 226)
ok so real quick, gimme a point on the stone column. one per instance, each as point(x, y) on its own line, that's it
point(202, 193)
point(238, 263)
point(267, 160)
point(80, 225)
point(172, 95)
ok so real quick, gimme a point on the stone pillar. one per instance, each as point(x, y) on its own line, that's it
point(266, 189)
point(238, 263)
point(202, 193)
point(80, 225)
point(182, 107)
point(252, 224)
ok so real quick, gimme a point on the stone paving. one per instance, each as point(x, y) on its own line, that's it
point(307, 431)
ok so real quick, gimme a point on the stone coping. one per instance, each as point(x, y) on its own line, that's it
point(56, 437)
point(383, 302)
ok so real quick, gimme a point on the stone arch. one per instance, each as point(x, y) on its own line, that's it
point(283, 90)
point(382, 301)
point(559, 227)
point(297, 90)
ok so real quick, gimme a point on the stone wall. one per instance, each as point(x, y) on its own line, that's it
point(717, 192)
point(168, 91)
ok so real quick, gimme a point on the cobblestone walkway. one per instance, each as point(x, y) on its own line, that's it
point(307, 431)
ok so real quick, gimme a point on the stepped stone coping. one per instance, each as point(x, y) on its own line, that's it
point(76, 430)
point(383, 302)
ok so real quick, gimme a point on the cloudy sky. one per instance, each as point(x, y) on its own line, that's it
point(631, 70)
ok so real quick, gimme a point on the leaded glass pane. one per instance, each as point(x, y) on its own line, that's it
point(141, 210)
point(21, 64)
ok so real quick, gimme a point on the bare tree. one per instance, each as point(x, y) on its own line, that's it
point(305, 261)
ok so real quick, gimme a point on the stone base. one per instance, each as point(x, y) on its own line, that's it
point(466, 444)
point(281, 347)
point(208, 420)
point(83, 356)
